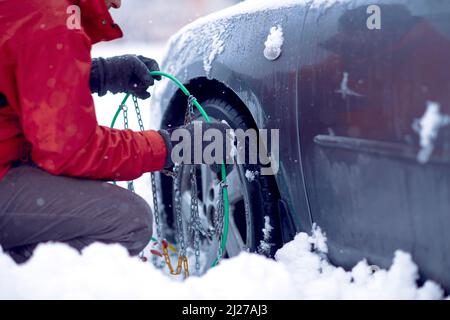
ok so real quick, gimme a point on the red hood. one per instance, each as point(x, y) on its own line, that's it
point(97, 21)
point(45, 72)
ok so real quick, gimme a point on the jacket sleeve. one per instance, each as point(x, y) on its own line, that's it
point(58, 115)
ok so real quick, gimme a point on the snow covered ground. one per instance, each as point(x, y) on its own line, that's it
point(107, 272)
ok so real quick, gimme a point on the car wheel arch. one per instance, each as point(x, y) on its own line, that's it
point(204, 89)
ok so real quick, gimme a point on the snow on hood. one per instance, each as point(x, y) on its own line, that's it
point(107, 272)
point(252, 6)
point(274, 43)
point(206, 37)
point(243, 8)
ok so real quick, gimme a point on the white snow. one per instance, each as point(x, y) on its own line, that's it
point(107, 272)
point(265, 245)
point(251, 175)
point(217, 47)
point(233, 148)
point(273, 44)
point(253, 6)
point(318, 240)
point(345, 90)
point(428, 129)
point(214, 29)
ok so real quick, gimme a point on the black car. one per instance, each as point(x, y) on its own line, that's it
point(361, 94)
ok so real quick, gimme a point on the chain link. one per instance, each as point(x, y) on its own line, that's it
point(219, 222)
point(130, 184)
point(125, 116)
point(178, 213)
point(195, 227)
point(152, 181)
point(182, 262)
point(195, 218)
point(189, 115)
point(157, 216)
point(138, 113)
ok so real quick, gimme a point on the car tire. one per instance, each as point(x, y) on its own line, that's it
point(260, 194)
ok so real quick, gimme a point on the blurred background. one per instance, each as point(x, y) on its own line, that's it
point(148, 24)
point(157, 20)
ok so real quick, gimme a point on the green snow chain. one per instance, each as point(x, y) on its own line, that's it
point(223, 170)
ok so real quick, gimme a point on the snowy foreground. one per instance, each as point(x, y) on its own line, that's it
point(300, 270)
point(107, 272)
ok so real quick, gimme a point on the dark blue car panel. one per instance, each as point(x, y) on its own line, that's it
point(268, 88)
point(348, 149)
point(365, 186)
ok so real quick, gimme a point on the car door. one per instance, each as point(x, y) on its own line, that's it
point(369, 100)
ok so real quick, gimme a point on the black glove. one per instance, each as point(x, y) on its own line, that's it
point(224, 129)
point(126, 74)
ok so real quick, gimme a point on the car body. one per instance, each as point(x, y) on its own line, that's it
point(348, 100)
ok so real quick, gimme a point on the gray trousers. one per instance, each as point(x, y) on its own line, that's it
point(37, 207)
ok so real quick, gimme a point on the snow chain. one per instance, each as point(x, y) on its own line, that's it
point(195, 227)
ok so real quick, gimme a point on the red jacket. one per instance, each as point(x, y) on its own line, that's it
point(44, 74)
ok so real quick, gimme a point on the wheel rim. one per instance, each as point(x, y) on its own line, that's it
point(240, 224)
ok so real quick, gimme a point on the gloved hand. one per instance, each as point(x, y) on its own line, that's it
point(126, 74)
point(202, 127)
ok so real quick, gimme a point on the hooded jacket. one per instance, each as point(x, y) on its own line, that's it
point(49, 112)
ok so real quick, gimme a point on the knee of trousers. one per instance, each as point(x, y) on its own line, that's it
point(135, 223)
